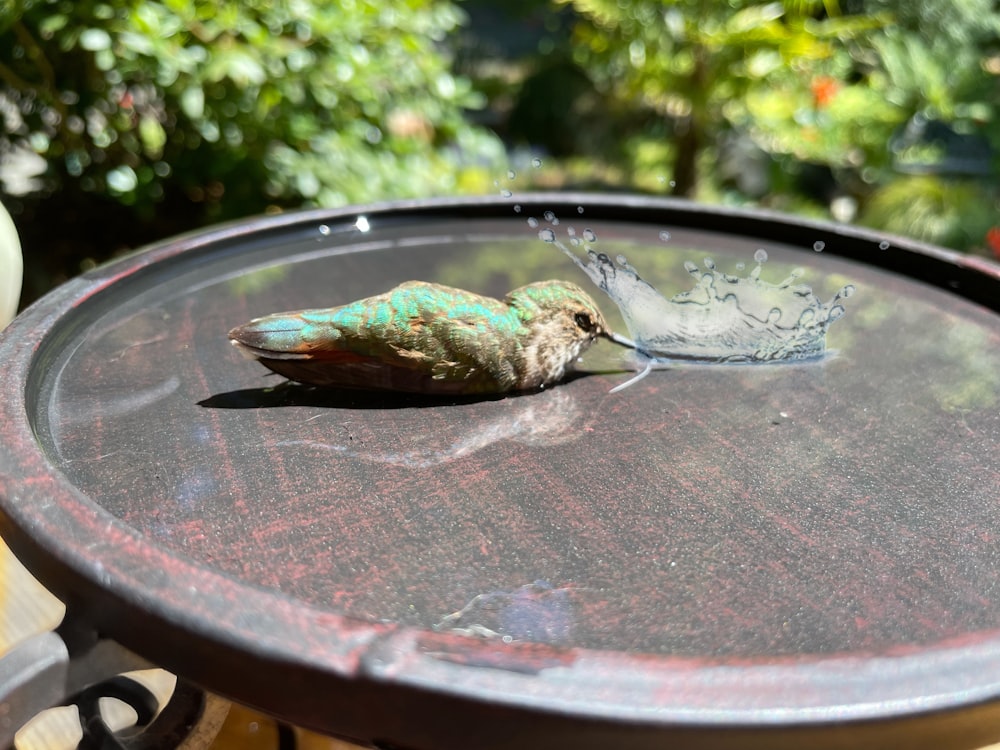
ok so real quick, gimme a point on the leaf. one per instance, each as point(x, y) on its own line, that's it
point(95, 40)
point(192, 102)
point(754, 17)
point(152, 135)
point(122, 180)
point(138, 43)
point(50, 25)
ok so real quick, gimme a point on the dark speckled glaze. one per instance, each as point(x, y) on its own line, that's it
point(728, 556)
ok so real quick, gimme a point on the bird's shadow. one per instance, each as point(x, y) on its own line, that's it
point(288, 393)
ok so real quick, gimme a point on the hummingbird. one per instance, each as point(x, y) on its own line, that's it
point(428, 338)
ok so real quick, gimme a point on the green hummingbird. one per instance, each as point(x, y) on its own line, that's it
point(428, 338)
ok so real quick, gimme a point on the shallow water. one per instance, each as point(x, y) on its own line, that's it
point(841, 504)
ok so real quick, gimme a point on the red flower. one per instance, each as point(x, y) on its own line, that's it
point(823, 90)
point(993, 240)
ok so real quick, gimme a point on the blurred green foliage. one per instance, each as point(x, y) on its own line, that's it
point(238, 103)
point(822, 100)
point(695, 61)
point(189, 111)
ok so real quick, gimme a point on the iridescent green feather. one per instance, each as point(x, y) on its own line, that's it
point(422, 337)
point(455, 334)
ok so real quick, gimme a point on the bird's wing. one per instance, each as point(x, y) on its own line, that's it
point(418, 336)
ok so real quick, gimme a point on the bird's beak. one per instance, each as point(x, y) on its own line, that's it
point(618, 339)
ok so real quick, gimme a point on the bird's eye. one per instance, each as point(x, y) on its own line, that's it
point(584, 322)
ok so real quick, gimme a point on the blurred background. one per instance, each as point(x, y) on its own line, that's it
point(127, 121)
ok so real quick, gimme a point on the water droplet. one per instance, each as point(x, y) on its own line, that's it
point(570, 231)
point(709, 263)
point(589, 236)
point(774, 315)
point(517, 208)
point(761, 255)
point(506, 193)
point(690, 267)
point(546, 235)
point(883, 245)
point(511, 174)
point(324, 230)
point(579, 209)
point(665, 236)
point(532, 222)
point(362, 224)
point(846, 292)
point(819, 246)
point(622, 260)
point(574, 241)
point(662, 179)
point(536, 163)
point(549, 216)
point(673, 183)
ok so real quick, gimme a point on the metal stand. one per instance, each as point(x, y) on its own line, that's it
point(74, 666)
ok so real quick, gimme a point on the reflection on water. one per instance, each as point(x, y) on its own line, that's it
point(547, 419)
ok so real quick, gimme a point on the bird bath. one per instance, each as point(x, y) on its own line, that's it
point(720, 553)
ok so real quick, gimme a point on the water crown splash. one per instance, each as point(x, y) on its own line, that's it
point(723, 318)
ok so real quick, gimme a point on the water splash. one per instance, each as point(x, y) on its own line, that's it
point(722, 318)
